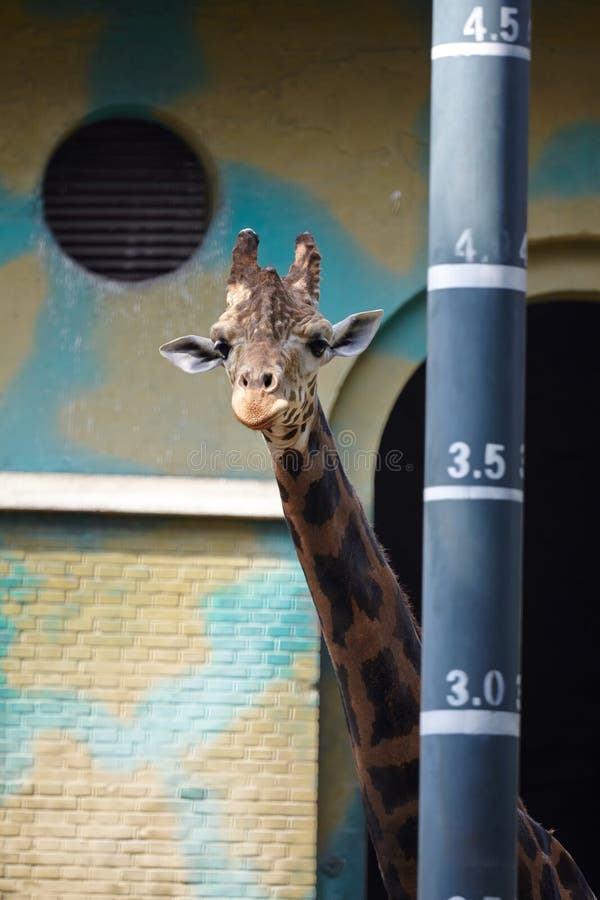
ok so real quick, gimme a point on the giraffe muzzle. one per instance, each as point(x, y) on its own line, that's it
point(256, 408)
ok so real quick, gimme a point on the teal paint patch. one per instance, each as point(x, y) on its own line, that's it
point(16, 215)
point(404, 335)
point(147, 51)
point(341, 870)
point(61, 364)
point(569, 163)
point(208, 698)
point(12, 585)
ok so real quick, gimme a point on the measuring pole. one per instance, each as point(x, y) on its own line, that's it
point(474, 451)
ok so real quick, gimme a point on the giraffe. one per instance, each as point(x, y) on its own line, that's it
point(272, 340)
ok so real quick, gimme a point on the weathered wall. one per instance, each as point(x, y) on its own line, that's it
point(159, 710)
point(308, 123)
point(307, 119)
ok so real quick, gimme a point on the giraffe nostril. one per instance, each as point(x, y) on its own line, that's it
point(244, 381)
point(267, 379)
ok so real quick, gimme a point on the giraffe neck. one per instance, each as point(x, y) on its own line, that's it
point(371, 637)
point(375, 649)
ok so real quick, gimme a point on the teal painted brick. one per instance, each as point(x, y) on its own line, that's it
point(294, 645)
point(281, 602)
point(279, 659)
point(294, 618)
point(193, 793)
point(278, 631)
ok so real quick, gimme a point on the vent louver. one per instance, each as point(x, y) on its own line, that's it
point(126, 199)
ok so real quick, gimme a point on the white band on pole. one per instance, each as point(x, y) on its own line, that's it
point(476, 275)
point(484, 48)
point(470, 721)
point(471, 492)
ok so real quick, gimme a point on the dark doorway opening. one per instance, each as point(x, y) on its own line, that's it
point(560, 771)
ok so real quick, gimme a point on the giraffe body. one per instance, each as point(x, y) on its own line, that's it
point(272, 341)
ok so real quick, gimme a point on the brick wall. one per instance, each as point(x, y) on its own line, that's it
point(160, 720)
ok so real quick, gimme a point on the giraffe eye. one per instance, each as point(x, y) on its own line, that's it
point(318, 346)
point(222, 348)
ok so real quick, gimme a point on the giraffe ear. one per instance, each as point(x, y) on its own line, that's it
point(192, 354)
point(353, 335)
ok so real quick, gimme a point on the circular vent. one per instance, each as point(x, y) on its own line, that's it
point(126, 199)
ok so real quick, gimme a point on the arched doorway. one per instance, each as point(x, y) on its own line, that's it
point(561, 663)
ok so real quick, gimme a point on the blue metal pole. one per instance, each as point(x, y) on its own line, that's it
point(474, 450)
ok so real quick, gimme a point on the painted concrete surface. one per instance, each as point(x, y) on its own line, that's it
point(304, 127)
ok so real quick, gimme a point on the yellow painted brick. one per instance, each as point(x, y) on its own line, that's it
point(292, 891)
point(223, 573)
point(17, 870)
point(78, 651)
point(159, 890)
point(275, 878)
point(113, 640)
point(80, 568)
point(162, 616)
point(88, 887)
point(73, 872)
point(47, 596)
point(12, 609)
point(139, 627)
point(193, 573)
point(63, 666)
point(48, 788)
point(48, 871)
point(158, 640)
point(165, 573)
point(64, 583)
point(154, 861)
point(107, 612)
point(155, 586)
point(107, 625)
point(160, 600)
point(105, 570)
point(80, 680)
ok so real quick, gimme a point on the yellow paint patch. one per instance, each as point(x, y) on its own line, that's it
point(578, 219)
point(138, 378)
point(308, 102)
point(112, 621)
point(263, 769)
point(111, 625)
point(75, 830)
point(564, 270)
point(564, 70)
point(23, 287)
point(43, 76)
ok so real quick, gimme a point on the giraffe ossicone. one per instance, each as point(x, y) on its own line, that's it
point(272, 341)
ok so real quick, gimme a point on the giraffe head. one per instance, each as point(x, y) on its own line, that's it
point(272, 340)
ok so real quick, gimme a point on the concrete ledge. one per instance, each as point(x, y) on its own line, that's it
point(141, 494)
